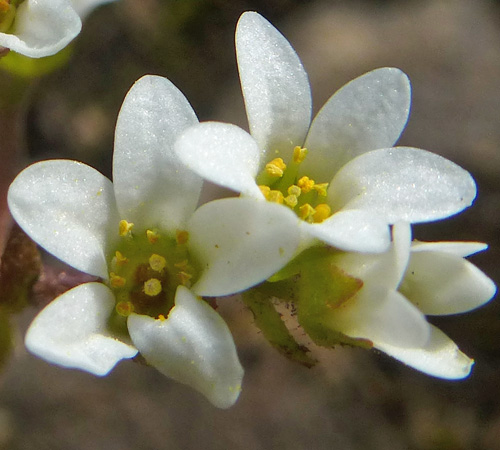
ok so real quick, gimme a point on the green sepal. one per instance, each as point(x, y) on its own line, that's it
point(269, 321)
point(25, 67)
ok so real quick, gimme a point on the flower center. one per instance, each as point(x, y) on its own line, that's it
point(280, 183)
point(146, 268)
point(7, 14)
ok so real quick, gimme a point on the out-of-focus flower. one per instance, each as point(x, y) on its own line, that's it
point(340, 173)
point(398, 288)
point(39, 28)
point(156, 254)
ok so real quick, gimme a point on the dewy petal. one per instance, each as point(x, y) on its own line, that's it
point(72, 331)
point(223, 154)
point(42, 28)
point(382, 316)
point(152, 185)
point(403, 184)
point(240, 242)
point(440, 357)
point(462, 249)
point(85, 7)
point(368, 113)
point(443, 283)
point(352, 231)
point(193, 346)
point(67, 208)
point(275, 86)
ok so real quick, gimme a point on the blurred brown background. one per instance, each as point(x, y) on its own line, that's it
point(354, 399)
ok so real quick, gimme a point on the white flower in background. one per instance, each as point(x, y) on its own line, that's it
point(155, 252)
point(402, 285)
point(340, 173)
point(39, 28)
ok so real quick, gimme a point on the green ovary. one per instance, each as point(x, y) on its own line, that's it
point(146, 268)
point(279, 183)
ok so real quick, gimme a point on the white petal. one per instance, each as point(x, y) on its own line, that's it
point(275, 86)
point(382, 316)
point(69, 209)
point(240, 242)
point(462, 249)
point(152, 185)
point(368, 113)
point(223, 154)
point(352, 231)
point(72, 331)
point(443, 283)
point(193, 346)
point(42, 28)
point(85, 7)
point(401, 244)
point(403, 184)
point(440, 357)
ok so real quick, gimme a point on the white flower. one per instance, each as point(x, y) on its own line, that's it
point(403, 284)
point(350, 183)
point(39, 28)
point(143, 237)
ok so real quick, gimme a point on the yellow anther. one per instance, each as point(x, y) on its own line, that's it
point(152, 236)
point(120, 259)
point(125, 227)
point(323, 211)
point(116, 281)
point(124, 308)
point(157, 262)
point(4, 6)
point(299, 154)
point(275, 197)
point(185, 278)
point(183, 265)
point(306, 184)
point(291, 201)
point(321, 188)
point(306, 211)
point(265, 190)
point(181, 237)
point(152, 287)
point(161, 317)
point(294, 190)
point(276, 167)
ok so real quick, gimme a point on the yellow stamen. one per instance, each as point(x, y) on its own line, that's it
point(116, 281)
point(152, 236)
point(291, 201)
point(321, 188)
point(185, 278)
point(120, 259)
point(306, 211)
point(306, 184)
point(157, 262)
point(152, 287)
point(275, 197)
point(124, 308)
point(276, 167)
point(183, 265)
point(299, 154)
point(125, 227)
point(265, 190)
point(323, 211)
point(161, 317)
point(294, 190)
point(4, 6)
point(181, 237)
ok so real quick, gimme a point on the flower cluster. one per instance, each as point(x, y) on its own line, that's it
point(38, 28)
point(323, 221)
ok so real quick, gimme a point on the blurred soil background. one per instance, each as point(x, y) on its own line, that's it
point(354, 399)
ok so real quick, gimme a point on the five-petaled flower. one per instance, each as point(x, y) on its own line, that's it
point(399, 287)
point(156, 252)
point(340, 173)
point(38, 28)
